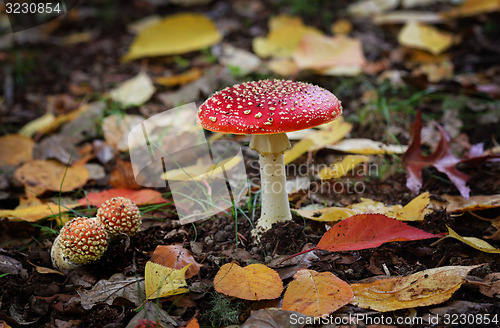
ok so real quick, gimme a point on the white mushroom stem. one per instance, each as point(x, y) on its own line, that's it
point(275, 206)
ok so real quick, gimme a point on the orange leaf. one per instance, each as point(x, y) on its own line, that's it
point(41, 175)
point(15, 149)
point(139, 197)
point(122, 176)
point(368, 231)
point(254, 282)
point(316, 294)
point(176, 257)
point(193, 323)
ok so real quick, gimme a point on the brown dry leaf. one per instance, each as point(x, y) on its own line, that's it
point(15, 149)
point(435, 72)
point(338, 55)
point(253, 282)
point(189, 76)
point(425, 37)
point(41, 175)
point(423, 288)
point(316, 294)
point(193, 323)
point(122, 176)
point(176, 257)
point(473, 7)
point(285, 33)
point(474, 203)
point(474, 242)
point(116, 129)
point(492, 287)
point(173, 35)
point(34, 213)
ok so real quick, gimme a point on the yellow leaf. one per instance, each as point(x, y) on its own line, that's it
point(135, 91)
point(318, 139)
point(421, 36)
point(327, 214)
point(162, 281)
point(176, 34)
point(15, 149)
point(339, 53)
point(316, 294)
point(367, 147)
point(253, 282)
point(423, 288)
point(283, 66)
point(415, 210)
point(200, 170)
point(477, 243)
point(473, 7)
point(34, 213)
point(341, 168)
point(41, 175)
point(171, 81)
point(283, 38)
point(37, 124)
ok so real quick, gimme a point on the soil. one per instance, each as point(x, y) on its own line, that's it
point(34, 298)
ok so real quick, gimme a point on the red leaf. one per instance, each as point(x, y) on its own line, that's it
point(139, 197)
point(176, 257)
point(368, 231)
point(442, 159)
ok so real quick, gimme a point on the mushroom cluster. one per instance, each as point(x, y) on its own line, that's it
point(84, 240)
point(268, 109)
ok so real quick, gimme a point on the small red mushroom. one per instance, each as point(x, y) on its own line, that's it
point(81, 241)
point(119, 215)
point(267, 110)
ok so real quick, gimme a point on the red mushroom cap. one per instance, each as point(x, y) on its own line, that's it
point(268, 107)
point(83, 240)
point(119, 215)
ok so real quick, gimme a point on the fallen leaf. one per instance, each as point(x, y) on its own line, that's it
point(253, 282)
point(134, 92)
point(139, 197)
point(283, 66)
point(366, 147)
point(492, 285)
point(139, 25)
point(41, 175)
point(472, 242)
point(340, 54)
point(435, 72)
point(285, 33)
point(442, 159)
point(245, 62)
point(404, 16)
point(425, 37)
point(275, 318)
point(474, 203)
point(37, 124)
point(176, 257)
point(162, 281)
point(428, 287)
point(327, 214)
point(122, 176)
point(189, 76)
point(34, 213)
point(415, 210)
point(316, 294)
point(369, 7)
point(364, 231)
point(472, 8)
point(116, 129)
point(339, 169)
point(174, 35)
point(149, 311)
point(333, 132)
point(117, 286)
point(15, 149)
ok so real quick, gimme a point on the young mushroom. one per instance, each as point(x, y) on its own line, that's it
point(81, 241)
point(119, 216)
point(268, 109)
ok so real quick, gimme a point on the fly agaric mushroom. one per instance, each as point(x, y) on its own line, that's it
point(81, 241)
point(119, 215)
point(267, 110)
